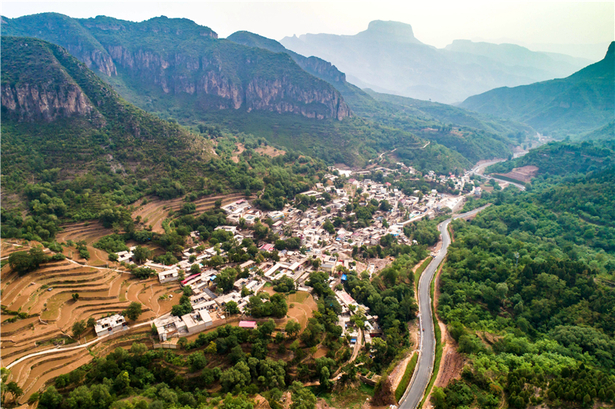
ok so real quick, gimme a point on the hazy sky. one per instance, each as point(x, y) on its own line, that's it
point(435, 23)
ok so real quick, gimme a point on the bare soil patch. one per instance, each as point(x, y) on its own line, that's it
point(239, 151)
point(270, 151)
point(303, 307)
point(523, 174)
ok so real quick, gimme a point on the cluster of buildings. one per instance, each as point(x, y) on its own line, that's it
point(321, 250)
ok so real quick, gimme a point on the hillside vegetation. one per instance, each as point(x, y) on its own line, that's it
point(562, 158)
point(527, 294)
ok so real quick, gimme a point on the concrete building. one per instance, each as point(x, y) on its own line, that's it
point(168, 275)
point(197, 321)
point(110, 325)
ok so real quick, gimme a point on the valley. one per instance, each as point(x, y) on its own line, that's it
point(326, 221)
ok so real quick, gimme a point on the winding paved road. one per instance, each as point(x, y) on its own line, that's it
point(480, 169)
point(427, 350)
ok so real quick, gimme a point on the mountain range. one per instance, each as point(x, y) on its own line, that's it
point(388, 58)
point(247, 83)
point(562, 107)
point(177, 57)
point(182, 71)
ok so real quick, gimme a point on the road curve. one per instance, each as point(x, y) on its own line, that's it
point(427, 350)
point(480, 169)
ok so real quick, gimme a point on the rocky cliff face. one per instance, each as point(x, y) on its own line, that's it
point(283, 96)
point(179, 57)
point(205, 78)
point(323, 69)
point(94, 60)
point(35, 86)
point(27, 102)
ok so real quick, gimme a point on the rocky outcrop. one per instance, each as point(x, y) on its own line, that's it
point(216, 88)
point(29, 103)
point(283, 96)
point(322, 69)
point(180, 57)
point(94, 60)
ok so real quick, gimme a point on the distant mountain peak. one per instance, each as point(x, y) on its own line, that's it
point(391, 31)
point(610, 53)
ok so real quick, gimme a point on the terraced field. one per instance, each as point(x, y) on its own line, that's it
point(155, 211)
point(45, 295)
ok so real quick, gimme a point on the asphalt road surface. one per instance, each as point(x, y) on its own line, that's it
point(478, 170)
point(427, 351)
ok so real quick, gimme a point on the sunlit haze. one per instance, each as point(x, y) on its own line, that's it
point(537, 25)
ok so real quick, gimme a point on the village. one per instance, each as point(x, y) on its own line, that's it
point(322, 248)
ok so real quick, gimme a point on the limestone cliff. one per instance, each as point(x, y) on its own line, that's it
point(179, 59)
point(28, 103)
point(29, 94)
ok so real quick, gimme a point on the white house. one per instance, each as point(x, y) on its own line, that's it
point(110, 325)
point(168, 275)
point(197, 321)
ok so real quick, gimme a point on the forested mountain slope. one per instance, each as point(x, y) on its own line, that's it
point(73, 150)
point(474, 137)
point(59, 114)
point(527, 292)
point(562, 107)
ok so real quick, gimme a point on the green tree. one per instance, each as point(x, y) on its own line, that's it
point(236, 377)
point(50, 399)
point(236, 402)
point(292, 328)
point(79, 328)
point(226, 278)
point(133, 311)
point(23, 262)
point(122, 381)
point(80, 398)
point(302, 397)
point(329, 227)
point(141, 254)
point(197, 361)
point(265, 329)
point(231, 308)
point(13, 389)
point(212, 348)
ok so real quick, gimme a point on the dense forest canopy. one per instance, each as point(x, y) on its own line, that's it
point(527, 292)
